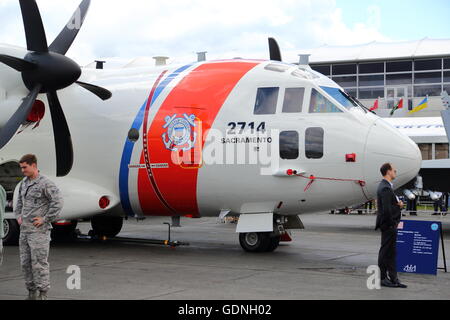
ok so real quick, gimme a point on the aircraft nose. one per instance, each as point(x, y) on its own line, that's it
point(387, 144)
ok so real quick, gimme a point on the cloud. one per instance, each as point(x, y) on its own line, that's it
point(179, 28)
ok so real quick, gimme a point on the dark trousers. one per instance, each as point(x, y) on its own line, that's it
point(387, 256)
point(411, 206)
point(437, 205)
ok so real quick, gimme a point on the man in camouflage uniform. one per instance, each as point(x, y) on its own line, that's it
point(39, 203)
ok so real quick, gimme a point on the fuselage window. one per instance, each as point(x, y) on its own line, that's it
point(314, 143)
point(266, 101)
point(293, 100)
point(320, 104)
point(289, 142)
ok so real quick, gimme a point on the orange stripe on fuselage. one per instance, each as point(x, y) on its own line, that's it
point(201, 93)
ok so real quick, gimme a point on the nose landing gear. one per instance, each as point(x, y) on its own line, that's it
point(259, 241)
point(262, 241)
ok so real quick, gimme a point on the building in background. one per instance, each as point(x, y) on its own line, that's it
point(428, 132)
point(388, 72)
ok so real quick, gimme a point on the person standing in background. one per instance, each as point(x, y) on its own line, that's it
point(39, 204)
point(388, 218)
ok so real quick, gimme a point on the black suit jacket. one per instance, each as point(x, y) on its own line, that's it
point(389, 213)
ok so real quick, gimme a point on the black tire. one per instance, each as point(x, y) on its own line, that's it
point(274, 243)
point(255, 241)
point(64, 232)
point(12, 232)
point(108, 226)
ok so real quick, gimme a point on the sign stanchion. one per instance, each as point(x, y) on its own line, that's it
point(443, 249)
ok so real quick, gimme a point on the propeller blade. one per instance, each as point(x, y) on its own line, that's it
point(16, 63)
point(34, 29)
point(275, 53)
point(66, 37)
point(61, 133)
point(19, 117)
point(100, 92)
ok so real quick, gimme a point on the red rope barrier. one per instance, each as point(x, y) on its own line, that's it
point(312, 178)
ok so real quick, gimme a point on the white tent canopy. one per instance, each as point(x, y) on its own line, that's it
point(378, 51)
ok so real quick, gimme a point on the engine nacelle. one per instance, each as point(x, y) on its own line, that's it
point(409, 194)
point(434, 195)
point(81, 199)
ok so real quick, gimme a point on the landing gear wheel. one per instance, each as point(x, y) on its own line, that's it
point(11, 232)
point(106, 226)
point(274, 243)
point(64, 232)
point(255, 241)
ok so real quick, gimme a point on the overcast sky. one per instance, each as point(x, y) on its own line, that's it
point(231, 28)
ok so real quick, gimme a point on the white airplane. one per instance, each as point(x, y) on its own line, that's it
point(169, 140)
point(428, 130)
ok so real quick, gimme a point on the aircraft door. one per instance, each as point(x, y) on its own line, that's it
point(290, 139)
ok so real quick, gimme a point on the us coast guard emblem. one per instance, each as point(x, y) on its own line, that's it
point(178, 135)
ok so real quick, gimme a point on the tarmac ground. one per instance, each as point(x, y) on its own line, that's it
point(327, 260)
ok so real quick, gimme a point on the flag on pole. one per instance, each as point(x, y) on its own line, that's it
point(421, 106)
point(398, 106)
point(375, 106)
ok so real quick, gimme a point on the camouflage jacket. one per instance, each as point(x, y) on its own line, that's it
point(38, 198)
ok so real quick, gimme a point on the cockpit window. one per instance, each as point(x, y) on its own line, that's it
point(266, 100)
point(320, 104)
point(343, 98)
point(293, 100)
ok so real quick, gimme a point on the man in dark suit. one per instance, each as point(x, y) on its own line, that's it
point(388, 218)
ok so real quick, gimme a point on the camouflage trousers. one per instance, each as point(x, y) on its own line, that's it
point(34, 250)
point(1, 251)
